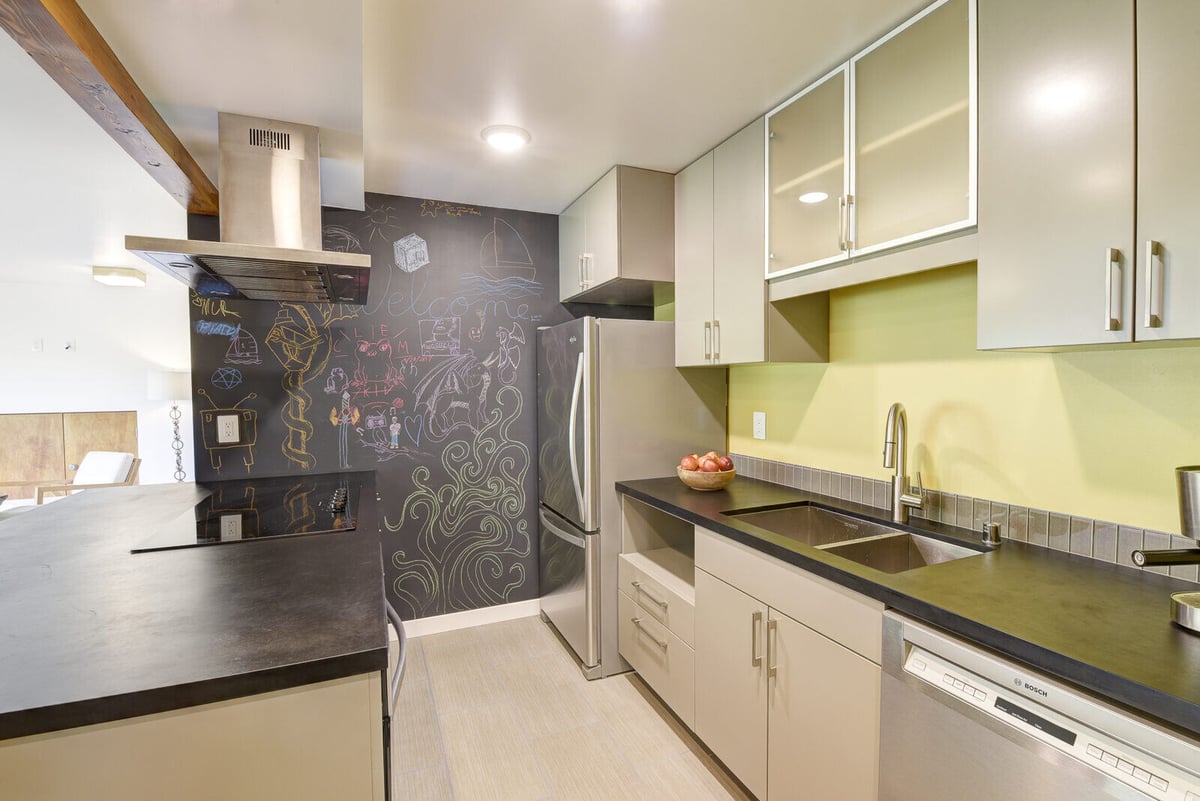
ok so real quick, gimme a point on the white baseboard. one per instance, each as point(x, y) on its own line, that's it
point(472, 617)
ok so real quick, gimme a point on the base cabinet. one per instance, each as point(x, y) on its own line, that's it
point(790, 710)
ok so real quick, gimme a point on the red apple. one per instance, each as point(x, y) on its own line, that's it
point(711, 455)
point(709, 466)
point(689, 463)
point(724, 462)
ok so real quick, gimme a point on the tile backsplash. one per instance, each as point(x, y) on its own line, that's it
point(1096, 539)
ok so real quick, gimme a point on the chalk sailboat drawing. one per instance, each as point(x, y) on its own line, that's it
point(503, 253)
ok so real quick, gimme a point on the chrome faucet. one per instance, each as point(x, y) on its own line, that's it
point(895, 444)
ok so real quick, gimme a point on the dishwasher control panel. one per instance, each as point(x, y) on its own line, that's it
point(1144, 772)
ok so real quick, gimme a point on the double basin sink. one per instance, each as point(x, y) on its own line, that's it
point(866, 542)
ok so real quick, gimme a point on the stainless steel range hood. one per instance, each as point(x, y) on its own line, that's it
point(270, 202)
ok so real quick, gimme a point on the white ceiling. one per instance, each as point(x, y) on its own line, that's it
point(651, 83)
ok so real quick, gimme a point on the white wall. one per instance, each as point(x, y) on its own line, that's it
point(68, 197)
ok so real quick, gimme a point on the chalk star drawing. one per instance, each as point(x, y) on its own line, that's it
point(411, 253)
point(470, 534)
point(226, 377)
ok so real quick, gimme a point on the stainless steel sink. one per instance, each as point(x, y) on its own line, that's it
point(812, 525)
point(875, 545)
point(896, 553)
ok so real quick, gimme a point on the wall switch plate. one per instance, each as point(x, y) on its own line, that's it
point(227, 429)
point(231, 527)
point(760, 425)
point(37, 346)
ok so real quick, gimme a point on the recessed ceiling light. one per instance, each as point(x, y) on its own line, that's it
point(506, 138)
point(119, 276)
point(813, 197)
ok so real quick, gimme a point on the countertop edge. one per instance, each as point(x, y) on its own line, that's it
point(1176, 712)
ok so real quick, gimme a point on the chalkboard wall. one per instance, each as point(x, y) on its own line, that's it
point(432, 383)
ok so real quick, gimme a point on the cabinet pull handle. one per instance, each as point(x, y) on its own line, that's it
point(637, 585)
point(1154, 284)
point(637, 621)
point(579, 262)
point(716, 340)
point(708, 340)
point(755, 642)
point(1112, 290)
point(587, 268)
point(848, 238)
point(772, 648)
point(841, 222)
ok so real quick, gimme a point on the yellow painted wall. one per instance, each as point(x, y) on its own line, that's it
point(1095, 433)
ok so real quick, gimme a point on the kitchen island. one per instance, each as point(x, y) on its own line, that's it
point(234, 663)
point(1096, 625)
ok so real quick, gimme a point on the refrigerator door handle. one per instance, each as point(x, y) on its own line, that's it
point(561, 533)
point(572, 435)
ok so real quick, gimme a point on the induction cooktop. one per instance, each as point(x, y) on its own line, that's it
point(257, 509)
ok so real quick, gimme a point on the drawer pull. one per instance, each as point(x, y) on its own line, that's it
point(637, 621)
point(637, 585)
point(1113, 287)
point(755, 642)
point(1154, 284)
point(772, 648)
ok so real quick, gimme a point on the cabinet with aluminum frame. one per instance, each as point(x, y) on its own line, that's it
point(787, 675)
point(1088, 232)
point(879, 154)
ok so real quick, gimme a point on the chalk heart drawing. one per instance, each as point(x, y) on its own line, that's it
point(413, 425)
point(464, 532)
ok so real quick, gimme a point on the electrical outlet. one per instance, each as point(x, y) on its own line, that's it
point(760, 425)
point(231, 527)
point(227, 429)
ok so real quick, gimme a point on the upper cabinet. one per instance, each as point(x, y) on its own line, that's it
point(615, 242)
point(880, 153)
point(1087, 221)
point(721, 311)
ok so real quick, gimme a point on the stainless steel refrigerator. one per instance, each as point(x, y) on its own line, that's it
point(612, 406)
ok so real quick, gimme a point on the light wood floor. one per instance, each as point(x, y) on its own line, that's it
point(502, 712)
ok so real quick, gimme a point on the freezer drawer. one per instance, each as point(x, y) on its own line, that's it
point(568, 571)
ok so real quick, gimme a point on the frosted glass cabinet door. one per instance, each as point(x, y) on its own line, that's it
point(806, 158)
point(912, 161)
point(1168, 214)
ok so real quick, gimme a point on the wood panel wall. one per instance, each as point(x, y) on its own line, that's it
point(44, 447)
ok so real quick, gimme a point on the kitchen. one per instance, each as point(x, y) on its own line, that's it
point(1088, 435)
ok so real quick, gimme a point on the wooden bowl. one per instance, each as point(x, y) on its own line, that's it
point(705, 482)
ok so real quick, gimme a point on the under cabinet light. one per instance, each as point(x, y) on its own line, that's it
point(119, 276)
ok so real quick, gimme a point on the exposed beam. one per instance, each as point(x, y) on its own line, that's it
point(68, 47)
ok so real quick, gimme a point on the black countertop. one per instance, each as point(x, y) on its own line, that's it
point(90, 632)
point(1102, 627)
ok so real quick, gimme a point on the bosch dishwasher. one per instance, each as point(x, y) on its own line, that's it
point(959, 722)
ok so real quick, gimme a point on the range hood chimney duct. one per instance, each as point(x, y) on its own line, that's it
point(270, 202)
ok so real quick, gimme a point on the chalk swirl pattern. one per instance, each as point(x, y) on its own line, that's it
point(470, 540)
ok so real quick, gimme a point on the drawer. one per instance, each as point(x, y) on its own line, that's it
point(661, 582)
point(842, 615)
point(662, 660)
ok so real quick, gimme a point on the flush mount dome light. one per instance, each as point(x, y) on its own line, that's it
point(119, 276)
point(505, 138)
point(813, 197)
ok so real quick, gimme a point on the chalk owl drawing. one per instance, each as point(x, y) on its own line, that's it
point(375, 373)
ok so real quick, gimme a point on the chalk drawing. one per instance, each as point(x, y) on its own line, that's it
point(376, 432)
point(411, 253)
point(248, 420)
point(213, 307)
point(344, 416)
point(466, 536)
point(507, 357)
point(381, 219)
point(243, 349)
point(453, 394)
point(475, 334)
point(226, 377)
point(430, 208)
point(440, 336)
point(503, 253)
point(340, 239)
point(216, 328)
point(376, 372)
point(302, 348)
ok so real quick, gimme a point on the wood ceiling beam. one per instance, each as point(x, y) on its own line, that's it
point(63, 41)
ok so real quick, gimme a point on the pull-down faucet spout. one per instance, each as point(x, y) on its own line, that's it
point(895, 454)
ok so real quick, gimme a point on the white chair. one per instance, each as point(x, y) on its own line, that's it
point(97, 469)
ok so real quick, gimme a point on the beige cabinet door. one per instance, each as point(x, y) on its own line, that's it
point(571, 227)
point(602, 252)
point(823, 716)
point(808, 177)
point(1056, 172)
point(694, 263)
point(731, 679)
point(1168, 163)
point(739, 215)
point(912, 165)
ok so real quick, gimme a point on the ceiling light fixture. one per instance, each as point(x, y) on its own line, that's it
point(813, 197)
point(505, 138)
point(119, 276)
